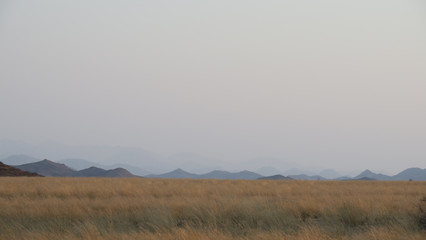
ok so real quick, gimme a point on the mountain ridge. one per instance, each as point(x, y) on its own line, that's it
point(53, 169)
point(57, 169)
point(215, 174)
point(9, 171)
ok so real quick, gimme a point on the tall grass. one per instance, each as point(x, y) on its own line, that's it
point(96, 208)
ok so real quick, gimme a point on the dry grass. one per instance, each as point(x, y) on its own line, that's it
point(95, 208)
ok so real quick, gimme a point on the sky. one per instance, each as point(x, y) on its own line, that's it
point(330, 83)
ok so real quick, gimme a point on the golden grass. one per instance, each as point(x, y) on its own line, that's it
point(101, 208)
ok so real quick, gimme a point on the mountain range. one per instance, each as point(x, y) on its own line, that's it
point(52, 169)
point(416, 174)
point(85, 168)
point(216, 174)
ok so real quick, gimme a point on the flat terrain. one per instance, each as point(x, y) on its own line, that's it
point(102, 208)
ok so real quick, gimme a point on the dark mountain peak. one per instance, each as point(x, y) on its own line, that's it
point(93, 168)
point(90, 172)
point(9, 171)
point(47, 168)
point(119, 172)
point(49, 162)
point(119, 169)
point(99, 172)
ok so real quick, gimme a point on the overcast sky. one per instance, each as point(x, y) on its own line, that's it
point(331, 83)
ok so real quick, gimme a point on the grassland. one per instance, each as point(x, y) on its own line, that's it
point(96, 208)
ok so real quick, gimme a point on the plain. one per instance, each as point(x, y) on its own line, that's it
point(141, 208)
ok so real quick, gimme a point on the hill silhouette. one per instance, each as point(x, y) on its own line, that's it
point(416, 174)
point(178, 173)
point(99, 172)
point(48, 168)
point(9, 171)
point(57, 169)
point(276, 177)
point(53, 169)
point(367, 174)
point(230, 175)
point(216, 174)
point(80, 164)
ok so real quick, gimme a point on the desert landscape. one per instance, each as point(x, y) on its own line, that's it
point(196, 120)
point(142, 208)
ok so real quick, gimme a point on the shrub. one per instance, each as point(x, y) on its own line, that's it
point(422, 214)
point(351, 215)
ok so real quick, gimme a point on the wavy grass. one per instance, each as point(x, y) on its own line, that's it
point(101, 208)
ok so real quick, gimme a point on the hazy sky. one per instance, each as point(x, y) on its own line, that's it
point(320, 82)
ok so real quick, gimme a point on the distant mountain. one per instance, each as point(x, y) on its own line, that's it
point(216, 174)
point(19, 159)
point(343, 178)
point(9, 171)
point(178, 173)
point(228, 175)
point(47, 168)
point(132, 169)
point(329, 173)
point(268, 171)
point(276, 177)
point(369, 174)
point(296, 171)
point(307, 177)
point(416, 174)
point(99, 172)
point(119, 172)
point(53, 169)
point(364, 179)
point(192, 162)
point(105, 155)
point(80, 164)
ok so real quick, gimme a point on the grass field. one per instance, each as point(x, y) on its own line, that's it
point(99, 208)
